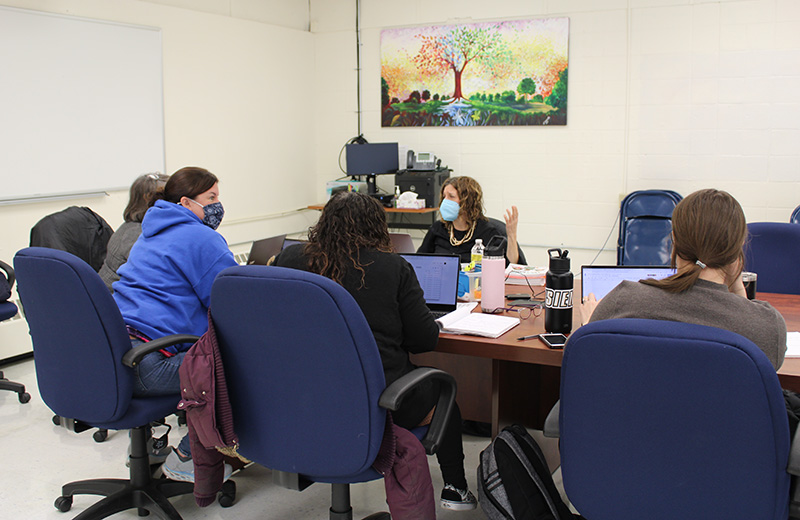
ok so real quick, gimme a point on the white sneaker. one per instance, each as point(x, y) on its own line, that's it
point(176, 468)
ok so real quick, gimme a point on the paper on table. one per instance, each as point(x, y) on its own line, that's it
point(464, 321)
point(792, 344)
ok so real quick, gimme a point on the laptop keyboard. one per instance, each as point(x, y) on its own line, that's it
point(438, 314)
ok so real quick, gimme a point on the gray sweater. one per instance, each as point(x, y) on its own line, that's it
point(119, 246)
point(707, 303)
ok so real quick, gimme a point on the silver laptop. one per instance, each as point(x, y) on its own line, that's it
point(438, 277)
point(402, 243)
point(600, 279)
point(262, 250)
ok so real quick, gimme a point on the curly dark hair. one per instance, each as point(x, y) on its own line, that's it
point(349, 222)
point(470, 196)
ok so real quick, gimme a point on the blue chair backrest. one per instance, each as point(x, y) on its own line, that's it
point(666, 420)
point(645, 227)
point(772, 252)
point(795, 218)
point(78, 336)
point(303, 371)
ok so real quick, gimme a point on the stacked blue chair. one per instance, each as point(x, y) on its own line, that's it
point(664, 420)
point(772, 252)
point(795, 218)
point(7, 311)
point(645, 227)
point(306, 381)
point(84, 361)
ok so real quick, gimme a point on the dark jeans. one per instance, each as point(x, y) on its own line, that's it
point(157, 375)
point(451, 451)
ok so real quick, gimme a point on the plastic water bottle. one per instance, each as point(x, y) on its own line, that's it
point(477, 254)
point(493, 275)
point(558, 299)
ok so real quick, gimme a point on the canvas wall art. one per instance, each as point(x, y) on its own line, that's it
point(482, 74)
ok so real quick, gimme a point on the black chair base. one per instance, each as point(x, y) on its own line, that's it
point(121, 495)
point(340, 505)
point(141, 491)
point(19, 388)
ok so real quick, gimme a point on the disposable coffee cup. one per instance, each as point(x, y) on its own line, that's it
point(749, 281)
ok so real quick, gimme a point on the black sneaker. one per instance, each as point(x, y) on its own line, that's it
point(457, 499)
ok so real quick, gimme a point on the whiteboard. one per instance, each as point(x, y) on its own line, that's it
point(81, 104)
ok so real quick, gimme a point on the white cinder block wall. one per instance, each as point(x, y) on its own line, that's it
point(674, 94)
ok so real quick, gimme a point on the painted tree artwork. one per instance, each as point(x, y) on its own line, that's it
point(481, 74)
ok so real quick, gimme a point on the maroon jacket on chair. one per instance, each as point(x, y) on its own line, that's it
point(204, 396)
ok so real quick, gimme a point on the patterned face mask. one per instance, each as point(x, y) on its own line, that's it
point(212, 213)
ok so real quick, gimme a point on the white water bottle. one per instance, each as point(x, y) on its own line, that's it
point(476, 257)
point(493, 275)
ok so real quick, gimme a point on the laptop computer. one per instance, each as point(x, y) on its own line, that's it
point(292, 241)
point(402, 243)
point(262, 250)
point(600, 279)
point(438, 277)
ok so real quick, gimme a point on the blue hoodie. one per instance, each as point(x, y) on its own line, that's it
point(165, 286)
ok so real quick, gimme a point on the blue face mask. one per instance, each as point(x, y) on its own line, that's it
point(449, 210)
point(212, 213)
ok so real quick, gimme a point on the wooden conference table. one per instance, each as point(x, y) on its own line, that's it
point(504, 381)
point(401, 212)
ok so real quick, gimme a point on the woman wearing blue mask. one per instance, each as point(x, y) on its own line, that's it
point(462, 221)
point(165, 286)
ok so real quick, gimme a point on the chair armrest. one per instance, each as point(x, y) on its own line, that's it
point(9, 273)
point(551, 426)
point(134, 355)
point(392, 398)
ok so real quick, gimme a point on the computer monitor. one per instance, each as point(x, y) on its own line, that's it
point(372, 159)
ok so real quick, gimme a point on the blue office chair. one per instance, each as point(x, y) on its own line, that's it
point(83, 361)
point(306, 381)
point(772, 252)
point(645, 227)
point(666, 420)
point(795, 218)
point(7, 311)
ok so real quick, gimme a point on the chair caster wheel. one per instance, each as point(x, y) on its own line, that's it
point(100, 435)
point(57, 420)
point(228, 494)
point(24, 397)
point(63, 503)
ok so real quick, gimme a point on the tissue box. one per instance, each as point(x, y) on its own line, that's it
point(411, 204)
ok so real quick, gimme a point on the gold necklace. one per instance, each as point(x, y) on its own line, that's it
point(465, 238)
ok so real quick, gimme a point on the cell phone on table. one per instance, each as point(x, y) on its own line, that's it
point(553, 340)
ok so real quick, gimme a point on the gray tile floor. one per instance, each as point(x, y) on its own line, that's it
point(38, 457)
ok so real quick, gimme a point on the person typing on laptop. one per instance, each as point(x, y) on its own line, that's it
point(708, 233)
point(350, 244)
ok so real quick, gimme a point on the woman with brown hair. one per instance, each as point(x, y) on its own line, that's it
point(709, 231)
point(165, 286)
point(462, 222)
point(350, 245)
point(142, 194)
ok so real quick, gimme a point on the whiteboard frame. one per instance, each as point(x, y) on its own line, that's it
point(120, 181)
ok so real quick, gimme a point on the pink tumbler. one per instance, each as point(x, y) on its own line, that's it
point(493, 275)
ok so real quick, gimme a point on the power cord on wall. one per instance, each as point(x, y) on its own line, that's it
point(613, 227)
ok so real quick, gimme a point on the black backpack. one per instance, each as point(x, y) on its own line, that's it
point(514, 482)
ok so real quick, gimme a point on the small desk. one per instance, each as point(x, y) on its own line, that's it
point(400, 211)
point(505, 381)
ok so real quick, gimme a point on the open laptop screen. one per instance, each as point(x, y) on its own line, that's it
point(438, 277)
point(600, 279)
